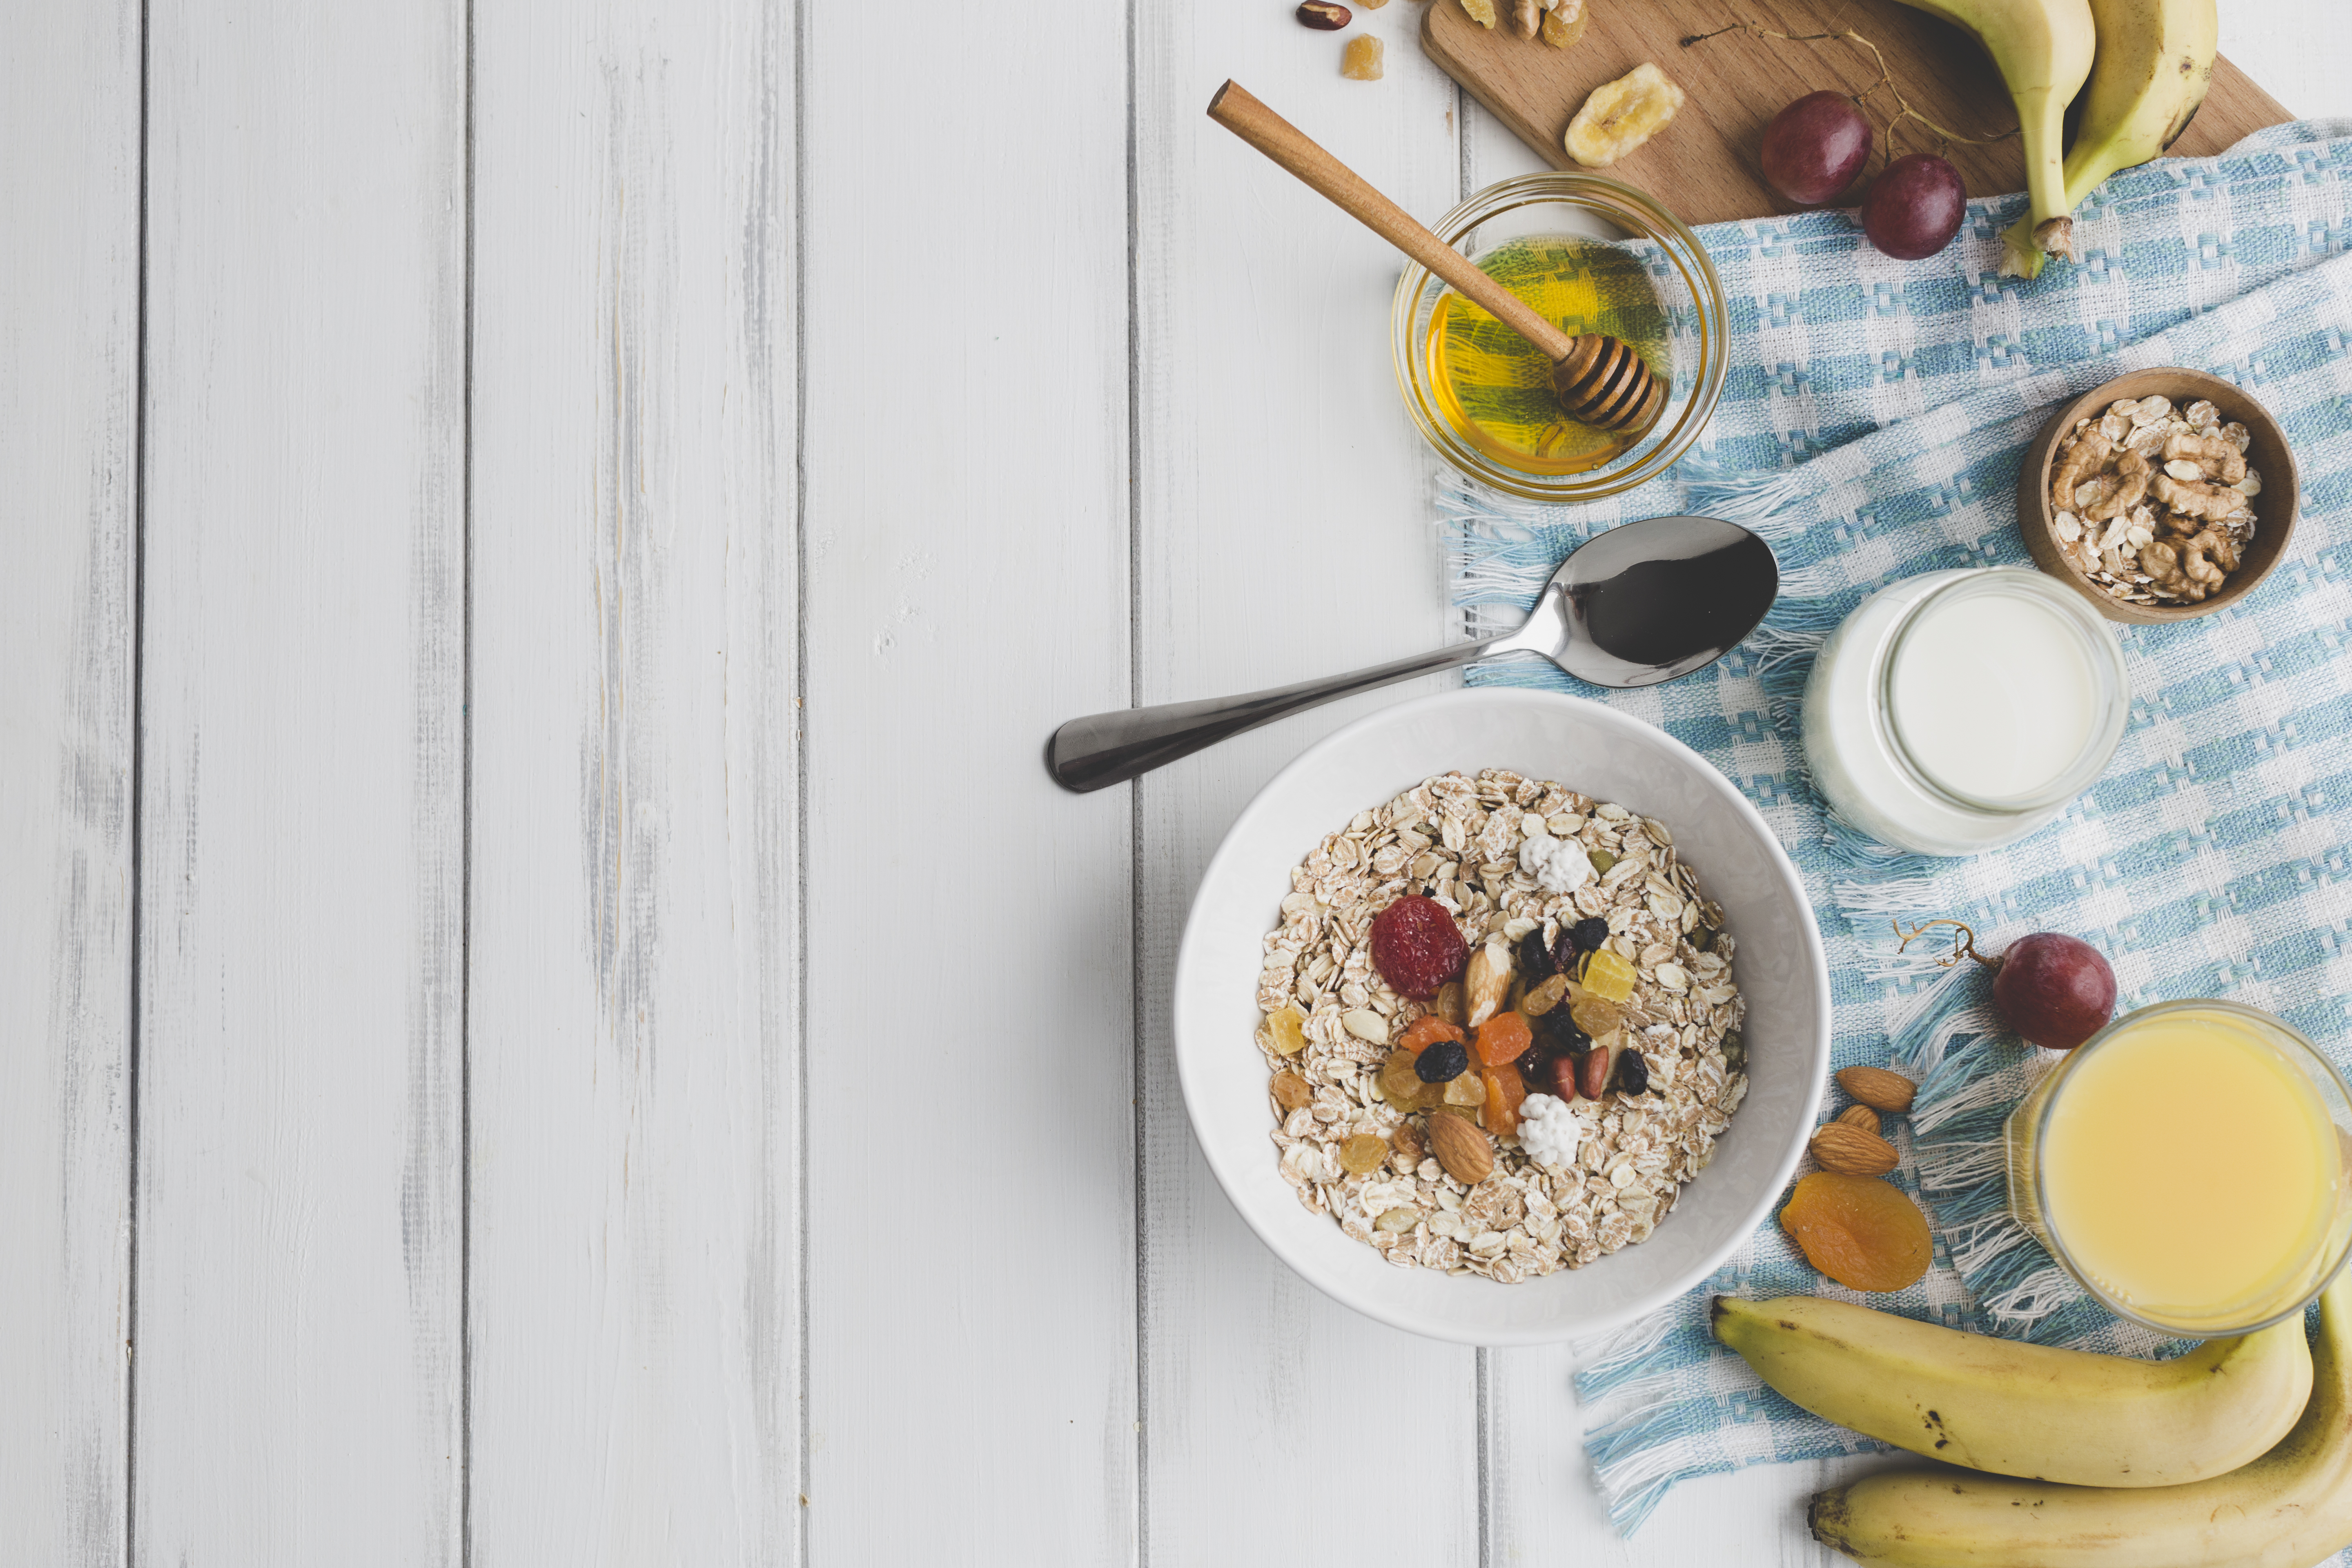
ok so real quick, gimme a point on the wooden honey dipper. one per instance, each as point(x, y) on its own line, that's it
point(1599, 380)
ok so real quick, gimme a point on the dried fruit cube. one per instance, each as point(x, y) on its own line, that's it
point(1468, 1089)
point(1865, 1233)
point(1609, 977)
point(1364, 1153)
point(1505, 1090)
point(1563, 34)
point(1503, 1038)
point(1360, 61)
point(1620, 116)
point(1481, 11)
point(1290, 1091)
point(1287, 1028)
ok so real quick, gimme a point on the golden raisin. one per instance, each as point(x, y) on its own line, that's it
point(1364, 1152)
point(1290, 1091)
point(1287, 1029)
point(1448, 1003)
point(1595, 1016)
point(1545, 997)
point(1865, 1233)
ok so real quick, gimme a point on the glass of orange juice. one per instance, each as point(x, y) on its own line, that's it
point(2188, 1167)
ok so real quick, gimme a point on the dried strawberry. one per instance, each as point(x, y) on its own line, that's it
point(1417, 947)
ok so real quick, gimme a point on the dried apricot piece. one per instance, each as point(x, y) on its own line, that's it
point(1503, 1036)
point(1865, 1233)
point(1503, 1093)
point(1426, 1031)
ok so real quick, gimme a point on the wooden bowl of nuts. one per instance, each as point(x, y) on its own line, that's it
point(2162, 496)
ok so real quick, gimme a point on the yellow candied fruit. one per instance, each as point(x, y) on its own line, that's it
point(1361, 59)
point(1563, 34)
point(1364, 1153)
point(1610, 977)
point(1287, 1029)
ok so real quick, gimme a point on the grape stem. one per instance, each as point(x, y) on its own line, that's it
point(1964, 941)
point(1902, 109)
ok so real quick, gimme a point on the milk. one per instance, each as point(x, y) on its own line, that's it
point(1992, 694)
point(1958, 710)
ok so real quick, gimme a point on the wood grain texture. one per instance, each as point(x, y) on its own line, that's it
point(69, 373)
point(634, 1291)
point(1705, 166)
point(1283, 531)
point(971, 1248)
point(298, 1392)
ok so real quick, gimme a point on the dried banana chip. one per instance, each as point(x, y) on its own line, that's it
point(1620, 115)
point(1481, 11)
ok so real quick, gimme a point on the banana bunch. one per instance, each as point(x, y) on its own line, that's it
point(2287, 1508)
point(2148, 63)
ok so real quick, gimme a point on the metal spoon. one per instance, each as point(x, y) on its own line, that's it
point(1639, 605)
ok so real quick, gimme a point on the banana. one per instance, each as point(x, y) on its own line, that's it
point(2154, 61)
point(2043, 49)
point(2026, 1410)
point(2289, 1509)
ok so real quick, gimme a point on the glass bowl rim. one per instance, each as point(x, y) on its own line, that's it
point(2057, 1245)
point(1650, 220)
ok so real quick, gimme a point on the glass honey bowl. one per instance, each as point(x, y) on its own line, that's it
point(1591, 255)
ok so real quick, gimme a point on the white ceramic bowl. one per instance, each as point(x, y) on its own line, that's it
point(1605, 753)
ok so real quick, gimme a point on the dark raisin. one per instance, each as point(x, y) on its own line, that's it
point(1563, 953)
point(1633, 1073)
point(1442, 1062)
point(1534, 959)
point(1556, 1031)
point(1589, 933)
point(1531, 1061)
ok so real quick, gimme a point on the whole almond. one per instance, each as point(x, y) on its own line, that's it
point(1878, 1089)
point(1850, 1151)
point(1324, 16)
point(1486, 983)
point(1463, 1150)
point(1860, 1116)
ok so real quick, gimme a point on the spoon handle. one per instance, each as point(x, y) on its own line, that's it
point(1111, 748)
point(1279, 140)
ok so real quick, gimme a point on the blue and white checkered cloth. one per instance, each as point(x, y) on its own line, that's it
point(1870, 428)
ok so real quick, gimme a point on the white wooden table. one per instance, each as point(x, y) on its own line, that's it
point(544, 991)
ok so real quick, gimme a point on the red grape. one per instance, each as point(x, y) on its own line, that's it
point(1914, 207)
point(1814, 148)
point(2054, 990)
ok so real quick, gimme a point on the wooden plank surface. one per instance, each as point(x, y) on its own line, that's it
point(68, 441)
point(970, 1123)
point(297, 1384)
point(1282, 531)
point(1705, 165)
point(635, 1284)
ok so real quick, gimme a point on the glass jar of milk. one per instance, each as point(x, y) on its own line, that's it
point(1958, 710)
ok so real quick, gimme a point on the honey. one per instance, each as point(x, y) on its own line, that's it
point(1493, 387)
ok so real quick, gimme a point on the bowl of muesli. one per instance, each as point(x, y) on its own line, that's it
point(1502, 1017)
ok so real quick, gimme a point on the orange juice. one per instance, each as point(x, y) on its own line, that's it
point(2186, 1166)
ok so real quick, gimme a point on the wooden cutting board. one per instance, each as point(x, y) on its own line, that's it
point(1704, 165)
